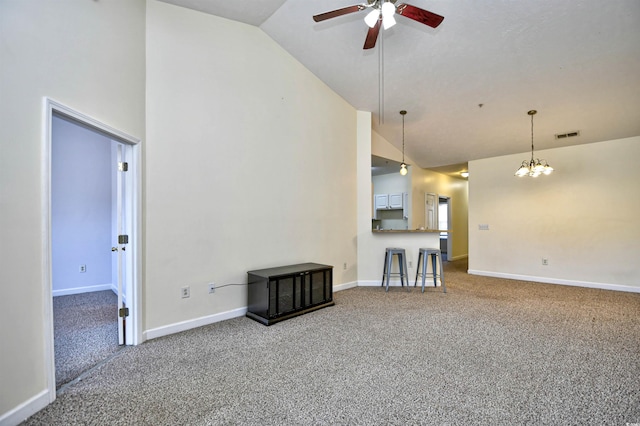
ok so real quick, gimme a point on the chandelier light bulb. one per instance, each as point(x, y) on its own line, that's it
point(403, 169)
point(388, 10)
point(388, 22)
point(372, 18)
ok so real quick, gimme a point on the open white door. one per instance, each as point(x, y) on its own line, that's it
point(123, 243)
point(431, 210)
point(122, 239)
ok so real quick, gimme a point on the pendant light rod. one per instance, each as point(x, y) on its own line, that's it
point(532, 113)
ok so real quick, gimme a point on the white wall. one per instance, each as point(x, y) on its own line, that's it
point(583, 217)
point(80, 209)
point(90, 56)
point(250, 163)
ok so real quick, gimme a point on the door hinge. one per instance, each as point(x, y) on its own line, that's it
point(123, 166)
point(123, 239)
point(123, 312)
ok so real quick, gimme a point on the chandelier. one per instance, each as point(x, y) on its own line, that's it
point(533, 168)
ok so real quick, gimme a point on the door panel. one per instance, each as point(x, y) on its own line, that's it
point(431, 210)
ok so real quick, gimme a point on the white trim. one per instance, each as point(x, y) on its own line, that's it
point(25, 410)
point(345, 286)
point(87, 289)
point(194, 323)
point(546, 280)
point(49, 351)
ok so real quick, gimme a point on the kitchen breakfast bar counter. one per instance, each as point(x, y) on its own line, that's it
point(371, 257)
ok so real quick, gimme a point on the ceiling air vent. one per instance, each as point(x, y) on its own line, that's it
point(568, 135)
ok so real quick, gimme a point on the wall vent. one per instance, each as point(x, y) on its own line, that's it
point(568, 135)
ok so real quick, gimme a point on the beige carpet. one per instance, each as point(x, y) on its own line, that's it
point(488, 352)
point(85, 332)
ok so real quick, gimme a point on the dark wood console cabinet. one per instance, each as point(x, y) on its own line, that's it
point(277, 294)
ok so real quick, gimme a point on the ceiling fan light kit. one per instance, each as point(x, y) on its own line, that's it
point(533, 168)
point(383, 14)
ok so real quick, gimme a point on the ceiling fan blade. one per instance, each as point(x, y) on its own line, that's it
point(423, 16)
point(339, 12)
point(372, 35)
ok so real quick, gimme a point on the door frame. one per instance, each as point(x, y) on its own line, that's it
point(134, 197)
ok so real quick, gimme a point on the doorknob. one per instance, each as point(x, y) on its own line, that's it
point(114, 248)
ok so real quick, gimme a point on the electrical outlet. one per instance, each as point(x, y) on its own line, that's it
point(344, 266)
point(545, 261)
point(410, 264)
point(212, 288)
point(83, 268)
point(185, 292)
point(483, 227)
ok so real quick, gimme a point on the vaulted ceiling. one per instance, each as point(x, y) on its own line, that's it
point(467, 85)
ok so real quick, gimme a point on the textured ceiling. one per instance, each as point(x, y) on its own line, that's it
point(467, 85)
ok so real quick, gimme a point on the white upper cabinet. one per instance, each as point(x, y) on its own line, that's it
point(393, 201)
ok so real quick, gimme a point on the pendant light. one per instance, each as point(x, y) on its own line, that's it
point(403, 166)
point(533, 168)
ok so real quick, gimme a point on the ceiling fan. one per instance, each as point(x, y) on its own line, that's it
point(382, 14)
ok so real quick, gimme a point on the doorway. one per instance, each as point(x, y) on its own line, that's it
point(444, 223)
point(92, 212)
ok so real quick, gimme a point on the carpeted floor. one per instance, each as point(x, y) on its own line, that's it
point(85, 331)
point(490, 351)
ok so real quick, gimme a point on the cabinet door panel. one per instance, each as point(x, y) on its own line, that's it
point(273, 297)
point(395, 201)
point(317, 287)
point(381, 201)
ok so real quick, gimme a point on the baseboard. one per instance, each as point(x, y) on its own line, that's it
point(345, 286)
point(166, 330)
point(194, 323)
point(25, 410)
point(78, 290)
point(546, 280)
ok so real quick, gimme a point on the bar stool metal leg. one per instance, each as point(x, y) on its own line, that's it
point(435, 269)
point(444, 287)
point(417, 268)
point(389, 264)
point(384, 269)
point(425, 260)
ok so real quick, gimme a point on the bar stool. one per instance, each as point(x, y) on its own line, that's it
point(402, 263)
point(433, 253)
